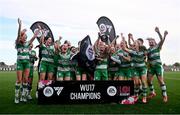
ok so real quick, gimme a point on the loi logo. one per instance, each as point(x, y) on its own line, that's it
point(124, 90)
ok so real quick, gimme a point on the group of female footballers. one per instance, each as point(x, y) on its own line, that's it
point(127, 60)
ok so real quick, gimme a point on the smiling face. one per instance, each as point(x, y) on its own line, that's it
point(152, 42)
point(102, 47)
point(136, 45)
point(64, 48)
point(23, 37)
point(122, 44)
point(48, 41)
point(112, 49)
point(73, 50)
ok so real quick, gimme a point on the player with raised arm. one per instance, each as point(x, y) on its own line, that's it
point(47, 62)
point(141, 48)
point(140, 70)
point(124, 71)
point(23, 63)
point(113, 60)
point(101, 72)
point(155, 65)
point(64, 65)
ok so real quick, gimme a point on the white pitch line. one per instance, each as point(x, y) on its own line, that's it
point(172, 78)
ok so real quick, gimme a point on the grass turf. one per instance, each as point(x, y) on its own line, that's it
point(7, 82)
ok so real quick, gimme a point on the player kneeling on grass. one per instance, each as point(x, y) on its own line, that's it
point(155, 65)
point(33, 58)
point(23, 63)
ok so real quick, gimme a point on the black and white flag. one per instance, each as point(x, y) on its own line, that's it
point(42, 27)
point(86, 56)
point(86, 49)
point(107, 29)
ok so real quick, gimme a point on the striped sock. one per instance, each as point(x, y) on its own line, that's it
point(17, 89)
point(136, 91)
point(151, 87)
point(29, 88)
point(144, 91)
point(25, 89)
point(163, 88)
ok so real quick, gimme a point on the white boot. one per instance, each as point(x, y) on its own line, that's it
point(16, 99)
point(29, 95)
point(24, 93)
point(17, 91)
point(36, 94)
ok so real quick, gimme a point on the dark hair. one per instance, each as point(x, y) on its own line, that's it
point(65, 42)
point(72, 47)
point(140, 39)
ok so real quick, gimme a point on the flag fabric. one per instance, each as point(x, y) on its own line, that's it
point(86, 55)
point(106, 28)
point(86, 49)
point(41, 26)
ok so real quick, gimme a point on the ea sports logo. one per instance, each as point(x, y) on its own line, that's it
point(48, 91)
point(111, 91)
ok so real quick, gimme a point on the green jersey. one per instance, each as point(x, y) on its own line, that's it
point(64, 62)
point(138, 58)
point(154, 56)
point(124, 63)
point(47, 53)
point(33, 58)
point(56, 56)
point(102, 64)
point(23, 52)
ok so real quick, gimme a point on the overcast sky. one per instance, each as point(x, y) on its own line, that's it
point(74, 19)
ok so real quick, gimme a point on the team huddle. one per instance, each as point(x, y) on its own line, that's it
point(127, 60)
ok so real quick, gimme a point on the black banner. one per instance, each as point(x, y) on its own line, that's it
point(106, 28)
point(70, 92)
point(39, 25)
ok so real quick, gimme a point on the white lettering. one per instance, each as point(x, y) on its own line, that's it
point(103, 28)
point(85, 96)
point(87, 87)
point(109, 27)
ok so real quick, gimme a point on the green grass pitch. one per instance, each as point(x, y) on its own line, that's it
point(156, 105)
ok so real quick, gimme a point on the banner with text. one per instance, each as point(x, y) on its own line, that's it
point(84, 91)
